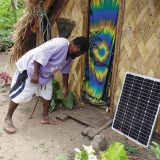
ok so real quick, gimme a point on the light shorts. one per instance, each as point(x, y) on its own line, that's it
point(22, 90)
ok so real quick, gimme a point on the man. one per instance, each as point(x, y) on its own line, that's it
point(35, 70)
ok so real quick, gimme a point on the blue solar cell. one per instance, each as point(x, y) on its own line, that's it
point(138, 108)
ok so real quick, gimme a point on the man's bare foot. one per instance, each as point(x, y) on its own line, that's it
point(50, 121)
point(9, 126)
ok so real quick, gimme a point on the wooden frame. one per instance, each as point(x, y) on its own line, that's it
point(116, 52)
point(85, 11)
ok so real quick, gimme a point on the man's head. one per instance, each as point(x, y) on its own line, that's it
point(78, 46)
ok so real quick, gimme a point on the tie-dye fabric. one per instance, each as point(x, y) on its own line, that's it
point(98, 64)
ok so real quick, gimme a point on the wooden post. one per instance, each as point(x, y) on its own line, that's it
point(57, 10)
point(117, 53)
point(85, 11)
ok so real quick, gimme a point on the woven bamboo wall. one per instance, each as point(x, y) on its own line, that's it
point(140, 42)
point(73, 11)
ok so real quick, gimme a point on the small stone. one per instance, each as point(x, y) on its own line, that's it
point(86, 131)
point(45, 150)
point(99, 143)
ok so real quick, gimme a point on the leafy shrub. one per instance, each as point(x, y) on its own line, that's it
point(131, 149)
point(156, 149)
point(8, 17)
point(115, 151)
point(58, 97)
point(5, 40)
point(87, 153)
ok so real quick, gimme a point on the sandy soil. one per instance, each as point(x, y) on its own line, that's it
point(34, 141)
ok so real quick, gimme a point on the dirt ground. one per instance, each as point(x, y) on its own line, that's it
point(34, 141)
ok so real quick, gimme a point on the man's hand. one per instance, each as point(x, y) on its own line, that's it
point(65, 92)
point(35, 78)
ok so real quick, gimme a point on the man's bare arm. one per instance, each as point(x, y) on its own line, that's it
point(35, 75)
point(65, 83)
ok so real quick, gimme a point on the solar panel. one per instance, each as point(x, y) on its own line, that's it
point(138, 108)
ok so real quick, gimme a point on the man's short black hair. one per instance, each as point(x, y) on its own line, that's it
point(82, 42)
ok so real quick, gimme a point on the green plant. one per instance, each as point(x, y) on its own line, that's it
point(7, 14)
point(5, 40)
point(115, 151)
point(87, 153)
point(58, 97)
point(155, 147)
point(131, 149)
point(8, 17)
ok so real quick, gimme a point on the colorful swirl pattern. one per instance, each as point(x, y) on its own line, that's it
point(98, 64)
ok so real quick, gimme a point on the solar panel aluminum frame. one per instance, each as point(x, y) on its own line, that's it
point(158, 110)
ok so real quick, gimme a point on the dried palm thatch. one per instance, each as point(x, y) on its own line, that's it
point(23, 38)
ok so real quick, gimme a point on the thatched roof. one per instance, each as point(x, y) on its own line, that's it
point(26, 29)
point(24, 39)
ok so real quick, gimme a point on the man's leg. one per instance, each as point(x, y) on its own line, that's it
point(45, 118)
point(45, 92)
point(9, 126)
point(46, 104)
